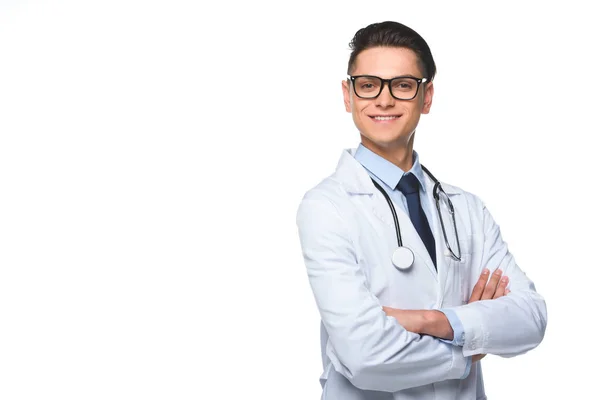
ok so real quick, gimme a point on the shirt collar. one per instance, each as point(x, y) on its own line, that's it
point(386, 171)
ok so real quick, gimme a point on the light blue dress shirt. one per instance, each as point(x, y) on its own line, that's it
point(388, 175)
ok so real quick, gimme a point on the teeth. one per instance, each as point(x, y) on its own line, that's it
point(385, 118)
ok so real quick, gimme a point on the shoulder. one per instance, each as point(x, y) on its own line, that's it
point(325, 214)
point(463, 198)
point(452, 190)
point(329, 191)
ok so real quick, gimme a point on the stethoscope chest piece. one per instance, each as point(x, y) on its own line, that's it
point(403, 258)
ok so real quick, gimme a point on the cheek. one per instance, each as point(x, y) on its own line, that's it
point(358, 120)
point(413, 118)
point(414, 112)
point(359, 111)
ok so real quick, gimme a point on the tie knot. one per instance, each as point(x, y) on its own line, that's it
point(408, 184)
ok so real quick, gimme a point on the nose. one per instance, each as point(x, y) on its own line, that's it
point(385, 98)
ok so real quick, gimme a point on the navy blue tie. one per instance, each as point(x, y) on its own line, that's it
point(409, 186)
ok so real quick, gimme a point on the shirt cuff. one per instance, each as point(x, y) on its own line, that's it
point(457, 327)
point(468, 370)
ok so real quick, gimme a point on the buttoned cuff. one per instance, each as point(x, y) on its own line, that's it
point(461, 365)
point(457, 327)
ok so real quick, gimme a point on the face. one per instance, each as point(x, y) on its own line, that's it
point(387, 134)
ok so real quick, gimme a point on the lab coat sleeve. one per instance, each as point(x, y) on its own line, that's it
point(366, 346)
point(512, 324)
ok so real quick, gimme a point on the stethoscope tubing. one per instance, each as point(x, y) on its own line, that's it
point(437, 188)
point(394, 215)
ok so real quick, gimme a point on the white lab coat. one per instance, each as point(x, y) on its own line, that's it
point(347, 237)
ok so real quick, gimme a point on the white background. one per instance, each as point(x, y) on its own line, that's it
point(153, 155)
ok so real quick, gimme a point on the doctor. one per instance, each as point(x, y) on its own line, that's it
point(411, 297)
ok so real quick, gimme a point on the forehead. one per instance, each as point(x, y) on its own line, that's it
point(387, 62)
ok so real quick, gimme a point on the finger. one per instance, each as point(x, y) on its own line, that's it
point(490, 289)
point(507, 292)
point(501, 289)
point(479, 286)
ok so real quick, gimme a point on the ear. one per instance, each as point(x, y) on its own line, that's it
point(428, 98)
point(346, 92)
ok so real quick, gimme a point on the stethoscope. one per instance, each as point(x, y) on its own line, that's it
point(403, 257)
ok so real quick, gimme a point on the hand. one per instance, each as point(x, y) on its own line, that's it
point(477, 357)
point(496, 287)
point(484, 290)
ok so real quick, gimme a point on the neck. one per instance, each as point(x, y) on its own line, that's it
point(401, 155)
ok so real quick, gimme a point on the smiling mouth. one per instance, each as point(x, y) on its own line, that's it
point(384, 117)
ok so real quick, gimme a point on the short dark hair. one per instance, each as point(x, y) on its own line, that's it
point(392, 34)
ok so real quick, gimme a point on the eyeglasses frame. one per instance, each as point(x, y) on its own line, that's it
point(352, 78)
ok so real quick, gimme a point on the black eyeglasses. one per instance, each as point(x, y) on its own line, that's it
point(401, 87)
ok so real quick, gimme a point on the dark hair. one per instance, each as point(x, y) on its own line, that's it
point(392, 34)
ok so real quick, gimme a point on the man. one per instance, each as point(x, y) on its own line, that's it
point(410, 298)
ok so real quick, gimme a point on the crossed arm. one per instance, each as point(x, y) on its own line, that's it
point(371, 349)
point(435, 323)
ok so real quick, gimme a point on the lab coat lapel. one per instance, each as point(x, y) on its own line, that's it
point(442, 267)
point(356, 180)
point(444, 262)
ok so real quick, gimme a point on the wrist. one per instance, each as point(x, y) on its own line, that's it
point(437, 324)
point(431, 321)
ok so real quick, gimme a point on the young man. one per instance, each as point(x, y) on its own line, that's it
point(411, 296)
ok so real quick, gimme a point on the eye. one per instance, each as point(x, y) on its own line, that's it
point(367, 85)
point(404, 85)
